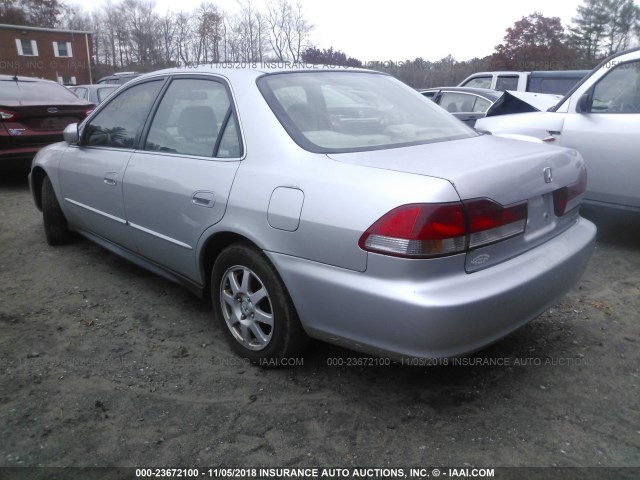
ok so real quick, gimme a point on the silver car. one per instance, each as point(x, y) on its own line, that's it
point(335, 204)
point(95, 94)
point(600, 118)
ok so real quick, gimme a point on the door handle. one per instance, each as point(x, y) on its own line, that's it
point(204, 199)
point(111, 178)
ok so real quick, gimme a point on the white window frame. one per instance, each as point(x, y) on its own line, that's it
point(56, 51)
point(72, 79)
point(34, 48)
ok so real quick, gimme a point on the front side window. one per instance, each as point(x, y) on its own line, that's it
point(479, 82)
point(195, 117)
point(119, 122)
point(27, 48)
point(619, 90)
point(332, 112)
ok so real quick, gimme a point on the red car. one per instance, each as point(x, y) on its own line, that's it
point(33, 113)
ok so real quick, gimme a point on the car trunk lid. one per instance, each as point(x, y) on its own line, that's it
point(505, 171)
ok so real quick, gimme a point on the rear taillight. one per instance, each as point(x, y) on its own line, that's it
point(431, 230)
point(490, 222)
point(418, 230)
point(6, 115)
point(567, 198)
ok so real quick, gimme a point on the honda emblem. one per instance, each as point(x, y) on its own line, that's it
point(548, 175)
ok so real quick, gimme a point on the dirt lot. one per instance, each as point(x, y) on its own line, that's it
point(105, 364)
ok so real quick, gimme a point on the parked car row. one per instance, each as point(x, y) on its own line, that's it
point(322, 203)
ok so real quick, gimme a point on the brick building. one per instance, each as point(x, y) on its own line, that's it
point(60, 55)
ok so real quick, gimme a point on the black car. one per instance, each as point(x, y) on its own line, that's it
point(33, 113)
point(465, 103)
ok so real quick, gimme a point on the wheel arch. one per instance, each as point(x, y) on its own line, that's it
point(37, 176)
point(212, 248)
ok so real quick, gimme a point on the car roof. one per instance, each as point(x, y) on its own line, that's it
point(14, 78)
point(485, 92)
point(96, 86)
point(265, 68)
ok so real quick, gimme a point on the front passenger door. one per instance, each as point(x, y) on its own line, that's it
point(91, 173)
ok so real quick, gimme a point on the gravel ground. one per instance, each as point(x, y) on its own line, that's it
point(105, 364)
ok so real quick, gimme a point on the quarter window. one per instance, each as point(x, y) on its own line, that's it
point(195, 118)
point(619, 90)
point(120, 121)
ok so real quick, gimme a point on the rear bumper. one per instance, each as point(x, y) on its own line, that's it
point(405, 308)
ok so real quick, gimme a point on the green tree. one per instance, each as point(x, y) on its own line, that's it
point(603, 27)
point(35, 13)
point(535, 42)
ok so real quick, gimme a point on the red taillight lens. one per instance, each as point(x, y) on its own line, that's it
point(489, 221)
point(418, 230)
point(567, 198)
point(431, 230)
point(6, 115)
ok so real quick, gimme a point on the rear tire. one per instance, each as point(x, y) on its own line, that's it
point(56, 229)
point(254, 308)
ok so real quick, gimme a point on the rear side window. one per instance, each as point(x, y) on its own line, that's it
point(119, 122)
point(81, 92)
point(455, 102)
point(195, 117)
point(505, 82)
point(103, 93)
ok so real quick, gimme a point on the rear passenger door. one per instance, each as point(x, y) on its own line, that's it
point(466, 107)
point(177, 184)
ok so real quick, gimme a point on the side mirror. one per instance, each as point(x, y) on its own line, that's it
point(584, 104)
point(70, 134)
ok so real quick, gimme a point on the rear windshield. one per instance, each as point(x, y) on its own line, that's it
point(47, 92)
point(334, 112)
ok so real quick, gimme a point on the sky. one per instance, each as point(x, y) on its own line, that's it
point(380, 30)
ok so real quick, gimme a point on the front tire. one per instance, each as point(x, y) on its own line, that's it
point(253, 307)
point(56, 229)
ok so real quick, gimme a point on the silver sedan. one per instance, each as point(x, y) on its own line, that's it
point(334, 204)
